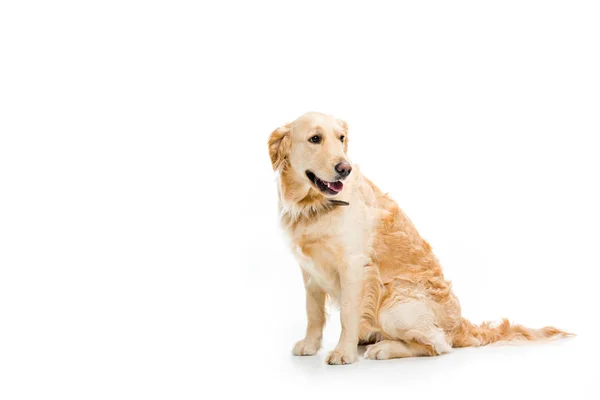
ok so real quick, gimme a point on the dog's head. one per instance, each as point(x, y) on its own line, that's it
point(312, 151)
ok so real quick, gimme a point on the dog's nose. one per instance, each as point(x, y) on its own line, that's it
point(343, 169)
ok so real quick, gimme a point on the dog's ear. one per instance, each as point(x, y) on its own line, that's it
point(279, 146)
point(344, 126)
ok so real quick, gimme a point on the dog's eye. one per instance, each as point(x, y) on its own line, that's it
point(315, 139)
point(342, 138)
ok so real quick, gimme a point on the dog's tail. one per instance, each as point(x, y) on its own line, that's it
point(470, 335)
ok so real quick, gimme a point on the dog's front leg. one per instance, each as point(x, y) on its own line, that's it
point(346, 351)
point(315, 315)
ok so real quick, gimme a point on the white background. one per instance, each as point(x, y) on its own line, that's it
point(140, 255)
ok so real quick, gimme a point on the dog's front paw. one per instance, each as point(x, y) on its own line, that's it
point(306, 347)
point(342, 357)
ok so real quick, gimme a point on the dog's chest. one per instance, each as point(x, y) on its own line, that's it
point(323, 248)
point(321, 264)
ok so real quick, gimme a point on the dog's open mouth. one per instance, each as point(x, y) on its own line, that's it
point(324, 186)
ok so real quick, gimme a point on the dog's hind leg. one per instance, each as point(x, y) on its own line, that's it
point(411, 326)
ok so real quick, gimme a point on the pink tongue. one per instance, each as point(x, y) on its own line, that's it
point(335, 186)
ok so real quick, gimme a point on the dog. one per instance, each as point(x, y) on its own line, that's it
point(354, 244)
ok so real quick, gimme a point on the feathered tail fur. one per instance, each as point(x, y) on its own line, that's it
point(471, 335)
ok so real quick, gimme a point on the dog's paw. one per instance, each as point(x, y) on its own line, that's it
point(378, 351)
point(342, 357)
point(306, 347)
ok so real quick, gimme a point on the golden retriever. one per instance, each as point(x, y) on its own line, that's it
point(354, 244)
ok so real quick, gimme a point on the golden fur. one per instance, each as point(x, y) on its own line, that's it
point(367, 256)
